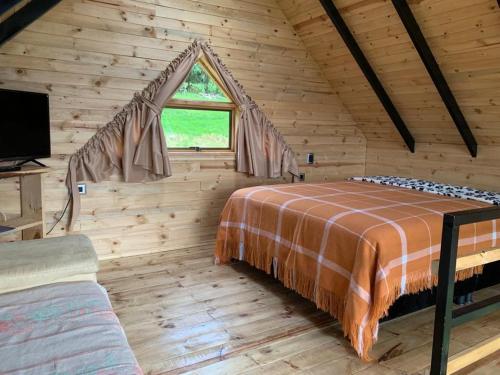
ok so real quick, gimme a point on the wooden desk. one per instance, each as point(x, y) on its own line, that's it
point(31, 221)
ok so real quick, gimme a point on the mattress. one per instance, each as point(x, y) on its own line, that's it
point(352, 247)
point(63, 328)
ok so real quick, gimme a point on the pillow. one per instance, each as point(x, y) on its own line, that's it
point(27, 264)
point(454, 191)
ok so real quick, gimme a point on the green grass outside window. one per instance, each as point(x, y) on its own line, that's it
point(186, 128)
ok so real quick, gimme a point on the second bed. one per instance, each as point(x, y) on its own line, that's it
point(352, 247)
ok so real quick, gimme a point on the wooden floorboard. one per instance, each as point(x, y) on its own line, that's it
point(183, 314)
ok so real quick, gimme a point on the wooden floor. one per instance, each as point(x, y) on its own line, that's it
point(183, 314)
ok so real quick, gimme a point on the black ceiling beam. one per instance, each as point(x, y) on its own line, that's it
point(368, 71)
point(434, 71)
point(5, 5)
point(23, 17)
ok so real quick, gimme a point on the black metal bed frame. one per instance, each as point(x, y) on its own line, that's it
point(446, 318)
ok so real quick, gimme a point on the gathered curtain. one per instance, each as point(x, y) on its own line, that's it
point(133, 143)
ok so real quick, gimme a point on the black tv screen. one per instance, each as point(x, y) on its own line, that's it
point(24, 125)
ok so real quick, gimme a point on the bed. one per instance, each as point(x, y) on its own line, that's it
point(62, 328)
point(352, 247)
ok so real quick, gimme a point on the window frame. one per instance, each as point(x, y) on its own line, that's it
point(210, 106)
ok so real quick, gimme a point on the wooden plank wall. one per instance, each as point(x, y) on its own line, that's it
point(91, 56)
point(448, 163)
point(464, 36)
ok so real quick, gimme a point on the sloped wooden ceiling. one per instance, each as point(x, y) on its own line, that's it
point(464, 36)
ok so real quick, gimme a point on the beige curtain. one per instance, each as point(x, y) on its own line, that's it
point(134, 145)
point(260, 150)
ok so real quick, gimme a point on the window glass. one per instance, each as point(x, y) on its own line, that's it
point(200, 86)
point(187, 127)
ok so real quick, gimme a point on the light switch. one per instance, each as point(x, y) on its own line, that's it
point(82, 189)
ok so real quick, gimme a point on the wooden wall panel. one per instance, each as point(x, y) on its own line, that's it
point(438, 162)
point(464, 37)
point(91, 56)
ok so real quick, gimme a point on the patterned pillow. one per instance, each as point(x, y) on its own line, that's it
point(463, 192)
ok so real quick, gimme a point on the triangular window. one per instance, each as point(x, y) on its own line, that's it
point(200, 115)
point(201, 86)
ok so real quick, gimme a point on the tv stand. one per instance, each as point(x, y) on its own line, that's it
point(17, 167)
point(10, 168)
point(31, 221)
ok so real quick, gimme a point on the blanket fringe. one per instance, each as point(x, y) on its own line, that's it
point(327, 301)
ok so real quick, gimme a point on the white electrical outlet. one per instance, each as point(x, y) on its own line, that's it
point(82, 189)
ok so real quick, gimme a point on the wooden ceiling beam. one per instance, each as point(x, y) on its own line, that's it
point(423, 49)
point(368, 72)
point(23, 17)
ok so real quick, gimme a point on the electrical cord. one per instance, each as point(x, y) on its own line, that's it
point(60, 217)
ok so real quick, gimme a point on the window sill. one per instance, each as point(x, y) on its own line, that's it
point(177, 155)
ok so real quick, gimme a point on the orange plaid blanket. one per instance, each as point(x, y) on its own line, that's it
point(351, 247)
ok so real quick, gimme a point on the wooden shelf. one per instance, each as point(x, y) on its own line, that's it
point(24, 171)
point(20, 223)
point(30, 222)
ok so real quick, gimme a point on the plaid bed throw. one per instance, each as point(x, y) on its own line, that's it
point(351, 247)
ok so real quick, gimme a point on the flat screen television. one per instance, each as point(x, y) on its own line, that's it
point(24, 125)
